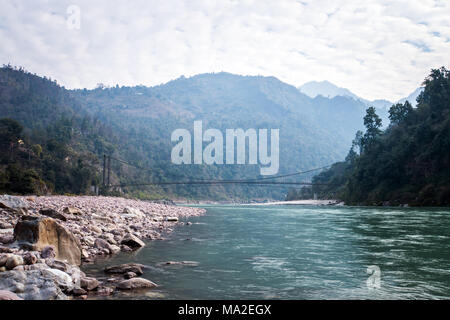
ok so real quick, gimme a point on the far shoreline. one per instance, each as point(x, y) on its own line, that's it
point(310, 202)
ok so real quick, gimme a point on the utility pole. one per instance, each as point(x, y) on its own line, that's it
point(109, 170)
point(104, 169)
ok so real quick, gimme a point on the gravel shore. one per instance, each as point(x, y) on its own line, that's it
point(111, 218)
point(48, 237)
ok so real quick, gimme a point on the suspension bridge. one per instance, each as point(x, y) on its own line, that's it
point(260, 181)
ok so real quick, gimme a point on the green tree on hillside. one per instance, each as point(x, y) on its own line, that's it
point(399, 112)
point(10, 130)
point(372, 122)
point(407, 163)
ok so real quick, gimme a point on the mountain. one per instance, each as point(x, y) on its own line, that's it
point(330, 90)
point(412, 98)
point(135, 125)
point(326, 89)
point(312, 131)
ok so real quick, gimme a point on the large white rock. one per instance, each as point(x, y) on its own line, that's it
point(8, 295)
point(13, 204)
point(32, 284)
point(130, 212)
point(62, 279)
point(135, 284)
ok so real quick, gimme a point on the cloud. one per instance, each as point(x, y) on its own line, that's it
point(376, 48)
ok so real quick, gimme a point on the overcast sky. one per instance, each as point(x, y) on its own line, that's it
point(377, 49)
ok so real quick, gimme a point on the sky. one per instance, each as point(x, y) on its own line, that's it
point(378, 49)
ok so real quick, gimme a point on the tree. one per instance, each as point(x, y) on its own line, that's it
point(351, 156)
point(372, 122)
point(10, 130)
point(291, 195)
point(408, 163)
point(399, 112)
point(437, 91)
point(10, 134)
point(358, 141)
point(37, 149)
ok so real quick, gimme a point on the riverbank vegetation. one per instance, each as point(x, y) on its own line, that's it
point(408, 163)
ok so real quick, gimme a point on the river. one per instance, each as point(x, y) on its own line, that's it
point(299, 252)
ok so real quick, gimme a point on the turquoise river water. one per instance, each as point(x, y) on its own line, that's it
point(299, 252)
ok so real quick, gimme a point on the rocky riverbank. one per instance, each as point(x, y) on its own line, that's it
point(44, 240)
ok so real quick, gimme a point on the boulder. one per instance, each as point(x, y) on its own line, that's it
point(117, 232)
point(130, 275)
point(72, 210)
point(19, 267)
point(125, 268)
point(108, 237)
point(101, 244)
point(8, 295)
point(43, 232)
point(7, 239)
point(96, 229)
point(135, 284)
point(5, 225)
point(125, 248)
point(180, 263)
point(88, 283)
point(6, 232)
point(77, 291)
point(48, 252)
point(37, 266)
point(88, 240)
point(132, 241)
point(57, 264)
point(3, 259)
point(29, 258)
point(62, 279)
point(5, 249)
point(13, 261)
point(129, 212)
point(31, 284)
point(13, 204)
point(71, 270)
point(52, 213)
point(105, 245)
point(102, 219)
point(114, 249)
point(84, 254)
point(105, 291)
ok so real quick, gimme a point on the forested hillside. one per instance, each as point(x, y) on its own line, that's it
point(66, 132)
point(48, 143)
point(408, 163)
point(313, 132)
